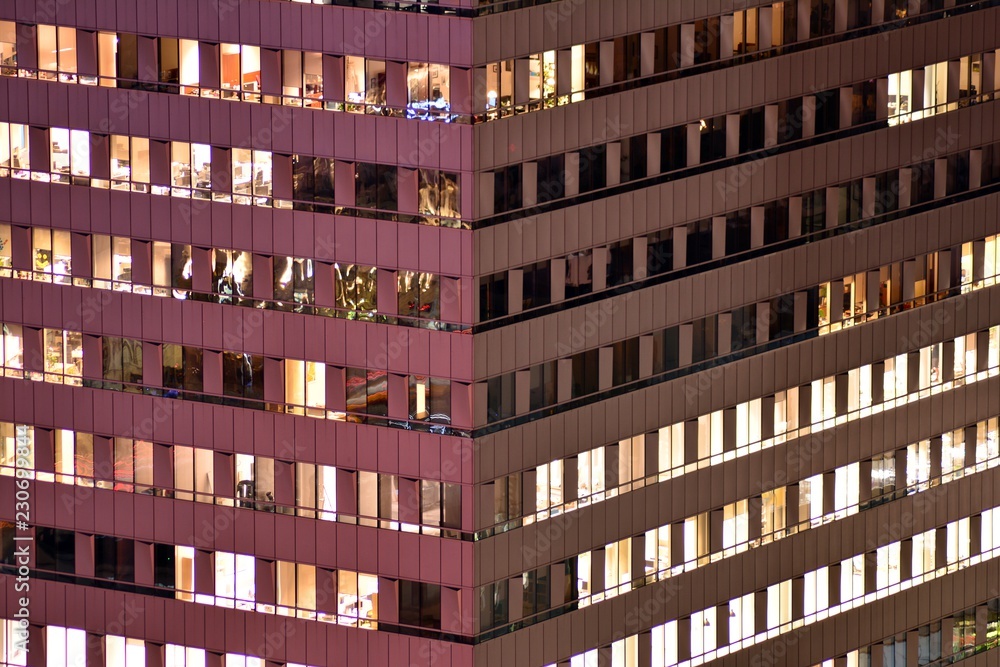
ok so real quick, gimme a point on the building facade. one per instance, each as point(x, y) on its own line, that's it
point(571, 333)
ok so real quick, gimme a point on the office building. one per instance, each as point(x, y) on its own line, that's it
point(573, 333)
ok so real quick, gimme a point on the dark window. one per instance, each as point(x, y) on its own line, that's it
point(859, 13)
point(366, 185)
point(738, 231)
point(887, 192)
point(821, 18)
point(493, 296)
point(376, 186)
point(752, 130)
point(991, 164)
point(827, 111)
point(813, 211)
point(114, 558)
point(849, 208)
point(619, 263)
point(127, 55)
point(790, 119)
point(791, 25)
point(592, 66)
point(569, 582)
point(744, 327)
point(699, 242)
point(666, 350)
point(493, 605)
point(958, 173)
point(673, 148)
point(506, 498)
point(182, 367)
point(585, 373)
point(243, 375)
point(579, 274)
point(500, 392)
point(164, 566)
point(705, 339)
point(776, 221)
point(783, 319)
point(667, 49)
point(863, 103)
point(634, 160)
point(625, 363)
point(707, 34)
point(593, 168)
point(812, 310)
point(537, 592)
point(419, 604)
point(660, 252)
point(627, 62)
point(713, 139)
point(451, 505)
point(507, 194)
point(7, 543)
point(537, 284)
point(922, 188)
point(543, 385)
point(551, 178)
point(56, 550)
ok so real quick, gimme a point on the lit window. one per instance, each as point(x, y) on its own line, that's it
point(107, 58)
point(354, 80)
point(261, 186)
point(8, 49)
point(79, 157)
point(201, 170)
point(13, 350)
point(63, 355)
point(250, 73)
point(816, 591)
point(19, 153)
point(312, 65)
point(48, 51)
point(735, 530)
point(59, 151)
point(429, 87)
point(181, 656)
point(122, 652)
point(64, 456)
point(194, 472)
point(120, 162)
point(357, 598)
point(184, 573)
point(64, 647)
point(887, 564)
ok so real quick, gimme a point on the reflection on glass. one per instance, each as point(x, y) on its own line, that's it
point(356, 287)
